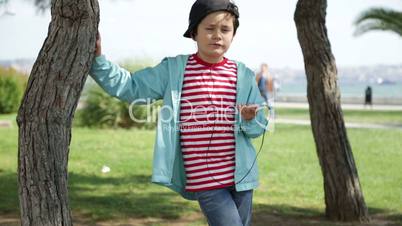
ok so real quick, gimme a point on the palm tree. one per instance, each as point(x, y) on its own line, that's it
point(379, 19)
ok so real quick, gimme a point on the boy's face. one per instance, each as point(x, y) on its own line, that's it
point(214, 36)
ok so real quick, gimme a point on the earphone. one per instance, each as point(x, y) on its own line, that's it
point(216, 113)
point(270, 110)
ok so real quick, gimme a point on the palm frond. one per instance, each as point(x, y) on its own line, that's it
point(379, 19)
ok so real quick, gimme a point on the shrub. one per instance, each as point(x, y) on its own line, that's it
point(103, 111)
point(12, 85)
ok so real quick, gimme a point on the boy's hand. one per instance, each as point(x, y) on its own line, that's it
point(98, 47)
point(248, 112)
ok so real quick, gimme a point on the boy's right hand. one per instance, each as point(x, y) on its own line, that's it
point(98, 47)
point(248, 112)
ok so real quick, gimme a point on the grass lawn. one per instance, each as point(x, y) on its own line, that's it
point(9, 117)
point(291, 181)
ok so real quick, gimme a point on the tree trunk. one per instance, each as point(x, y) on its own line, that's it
point(343, 197)
point(47, 110)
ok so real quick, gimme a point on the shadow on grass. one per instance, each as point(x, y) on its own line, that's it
point(113, 198)
point(103, 197)
point(386, 214)
point(8, 193)
point(289, 215)
point(129, 196)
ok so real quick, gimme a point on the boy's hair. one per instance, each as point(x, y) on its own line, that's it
point(201, 8)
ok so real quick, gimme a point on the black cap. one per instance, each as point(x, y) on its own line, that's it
point(201, 8)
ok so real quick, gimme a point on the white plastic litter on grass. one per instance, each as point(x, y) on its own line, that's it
point(105, 169)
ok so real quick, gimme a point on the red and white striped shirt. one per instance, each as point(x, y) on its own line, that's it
point(207, 123)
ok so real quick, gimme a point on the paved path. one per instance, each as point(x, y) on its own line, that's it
point(348, 124)
point(5, 124)
point(344, 106)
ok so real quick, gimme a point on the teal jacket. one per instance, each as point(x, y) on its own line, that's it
point(165, 81)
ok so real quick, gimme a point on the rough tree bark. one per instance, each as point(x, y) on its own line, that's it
point(47, 110)
point(343, 196)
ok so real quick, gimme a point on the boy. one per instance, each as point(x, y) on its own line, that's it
point(203, 149)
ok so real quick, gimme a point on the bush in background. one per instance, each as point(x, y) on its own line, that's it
point(103, 111)
point(12, 86)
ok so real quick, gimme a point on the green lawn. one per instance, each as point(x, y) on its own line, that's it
point(291, 181)
point(10, 117)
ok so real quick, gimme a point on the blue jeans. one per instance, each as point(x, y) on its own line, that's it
point(226, 206)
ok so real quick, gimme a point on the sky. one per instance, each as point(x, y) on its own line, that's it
point(153, 29)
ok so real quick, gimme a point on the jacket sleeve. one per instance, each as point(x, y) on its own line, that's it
point(148, 83)
point(257, 126)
